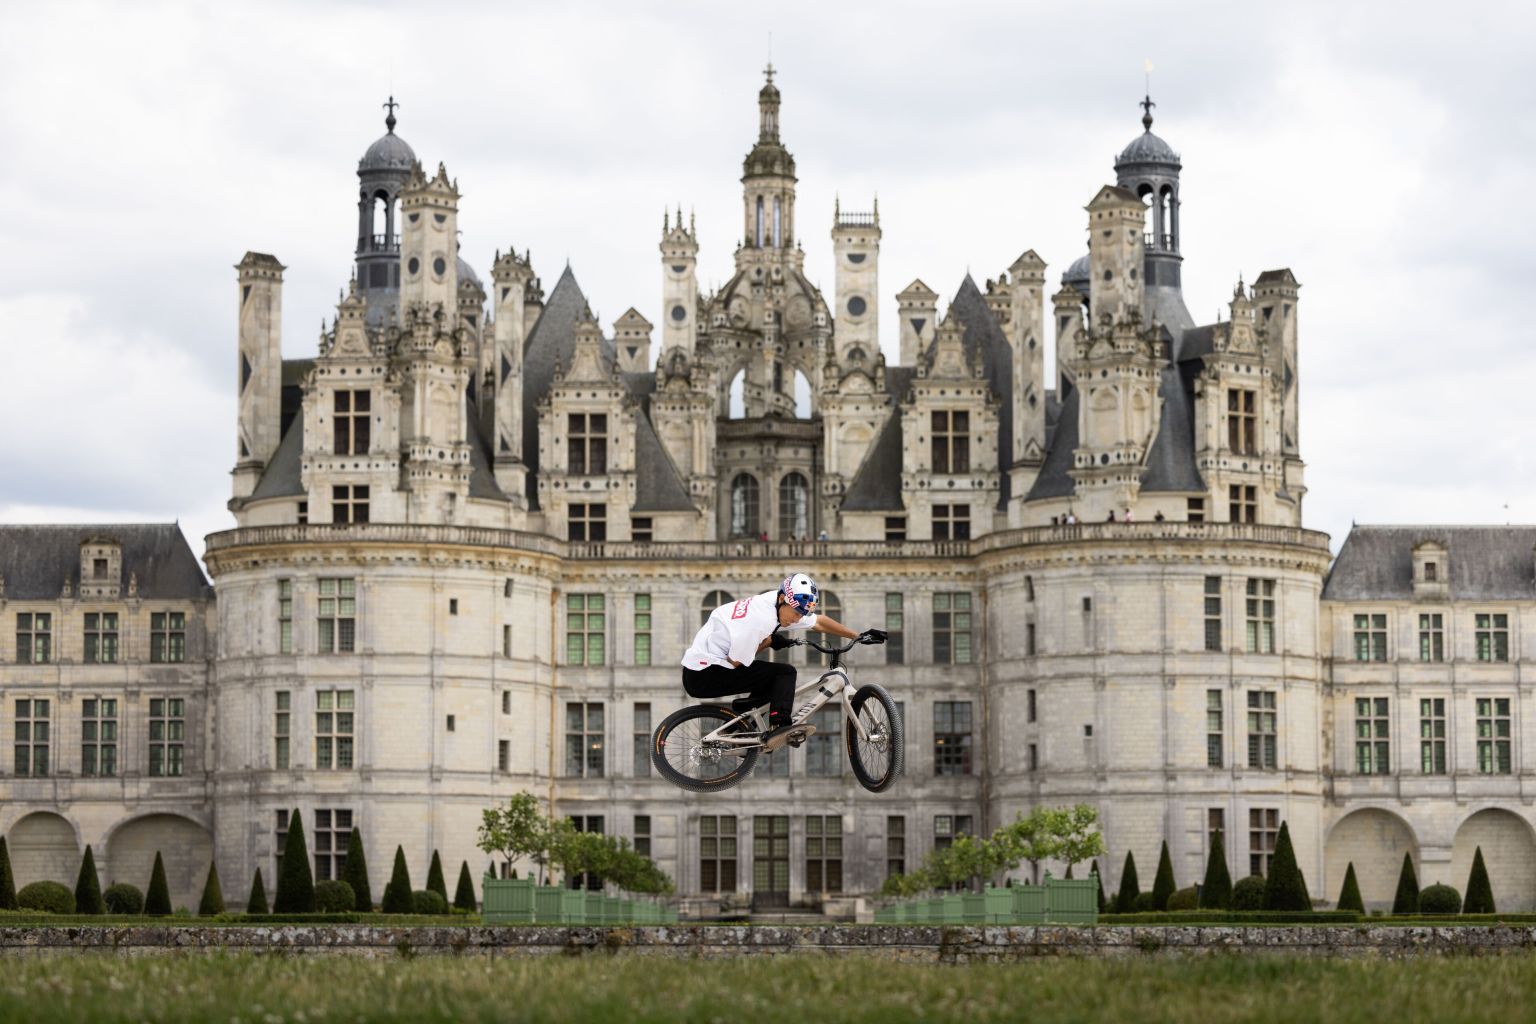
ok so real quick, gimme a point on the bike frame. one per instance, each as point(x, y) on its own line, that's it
point(825, 692)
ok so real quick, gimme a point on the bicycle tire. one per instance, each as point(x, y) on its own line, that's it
point(896, 744)
point(701, 783)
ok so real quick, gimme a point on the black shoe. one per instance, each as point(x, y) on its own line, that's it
point(791, 732)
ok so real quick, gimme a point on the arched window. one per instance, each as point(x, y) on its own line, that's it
point(744, 504)
point(736, 396)
point(777, 223)
point(794, 508)
point(1170, 218)
point(712, 600)
point(759, 222)
point(831, 606)
point(802, 396)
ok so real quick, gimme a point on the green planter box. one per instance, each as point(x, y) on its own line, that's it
point(547, 905)
point(901, 913)
point(594, 909)
point(951, 909)
point(573, 906)
point(973, 907)
point(627, 911)
point(508, 900)
point(997, 905)
point(1071, 900)
point(1028, 904)
point(612, 911)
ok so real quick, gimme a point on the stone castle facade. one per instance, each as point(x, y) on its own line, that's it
point(475, 531)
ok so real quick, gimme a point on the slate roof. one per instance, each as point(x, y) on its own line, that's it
point(984, 338)
point(1487, 563)
point(35, 560)
point(658, 485)
point(281, 478)
point(1054, 481)
point(1171, 460)
point(552, 339)
point(876, 487)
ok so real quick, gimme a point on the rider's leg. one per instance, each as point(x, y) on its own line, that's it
point(778, 688)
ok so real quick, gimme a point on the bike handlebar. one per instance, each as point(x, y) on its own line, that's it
point(834, 650)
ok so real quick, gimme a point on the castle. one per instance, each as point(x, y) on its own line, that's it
point(475, 531)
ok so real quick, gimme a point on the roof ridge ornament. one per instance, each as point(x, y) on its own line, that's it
point(1146, 106)
point(389, 121)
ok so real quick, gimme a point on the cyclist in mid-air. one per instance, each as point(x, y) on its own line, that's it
point(720, 661)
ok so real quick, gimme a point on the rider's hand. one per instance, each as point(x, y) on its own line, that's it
point(872, 636)
point(779, 642)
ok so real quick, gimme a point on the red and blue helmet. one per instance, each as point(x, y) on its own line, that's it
point(800, 590)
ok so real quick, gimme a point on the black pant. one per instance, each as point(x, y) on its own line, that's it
point(765, 680)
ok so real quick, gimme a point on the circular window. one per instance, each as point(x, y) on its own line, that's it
point(856, 306)
point(1109, 275)
point(439, 266)
point(679, 314)
point(413, 267)
point(856, 257)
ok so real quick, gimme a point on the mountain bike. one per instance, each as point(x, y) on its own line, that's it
point(711, 747)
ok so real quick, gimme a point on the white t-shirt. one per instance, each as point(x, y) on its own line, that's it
point(733, 631)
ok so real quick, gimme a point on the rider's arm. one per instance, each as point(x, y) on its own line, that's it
point(827, 624)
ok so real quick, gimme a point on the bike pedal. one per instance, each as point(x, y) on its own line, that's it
point(795, 736)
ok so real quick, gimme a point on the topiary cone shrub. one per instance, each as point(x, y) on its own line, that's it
point(1103, 903)
point(464, 892)
point(212, 902)
point(355, 873)
point(157, 900)
point(257, 903)
point(1479, 890)
point(1216, 893)
point(295, 883)
point(1184, 899)
point(1407, 899)
point(123, 898)
point(334, 897)
point(1439, 899)
point(397, 894)
point(1248, 893)
point(1163, 885)
point(1349, 896)
point(428, 901)
point(1130, 888)
point(435, 881)
point(7, 880)
point(1285, 888)
point(49, 897)
point(88, 886)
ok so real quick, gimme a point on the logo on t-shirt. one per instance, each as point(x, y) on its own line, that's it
point(740, 611)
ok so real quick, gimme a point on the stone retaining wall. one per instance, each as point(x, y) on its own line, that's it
point(955, 944)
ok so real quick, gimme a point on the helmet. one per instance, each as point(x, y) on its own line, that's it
point(800, 591)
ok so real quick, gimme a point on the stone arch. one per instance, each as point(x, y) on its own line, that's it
point(43, 848)
point(1509, 852)
point(1375, 841)
point(805, 400)
point(185, 847)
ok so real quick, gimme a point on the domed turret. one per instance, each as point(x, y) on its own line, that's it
point(382, 173)
point(1149, 167)
point(1076, 276)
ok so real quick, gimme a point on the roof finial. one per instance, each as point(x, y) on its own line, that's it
point(389, 122)
point(768, 71)
point(1146, 103)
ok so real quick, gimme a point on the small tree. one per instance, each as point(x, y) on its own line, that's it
point(1349, 896)
point(1130, 887)
point(1216, 893)
point(1479, 890)
point(435, 881)
point(1248, 893)
point(213, 894)
point(1285, 888)
point(1031, 839)
point(464, 892)
point(88, 886)
point(1407, 899)
point(122, 898)
point(1077, 835)
point(295, 883)
point(1163, 885)
point(397, 894)
point(1103, 903)
point(157, 901)
point(1439, 899)
point(355, 873)
point(7, 880)
point(518, 830)
point(257, 902)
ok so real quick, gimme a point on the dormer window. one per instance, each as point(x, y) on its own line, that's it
point(1431, 579)
point(351, 410)
point(98, 569)
point(1431, 572)
point(587, 444)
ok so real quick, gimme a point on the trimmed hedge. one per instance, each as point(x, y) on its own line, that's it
point(1349, 896)
point(212, 903)
point(397, 894)
point(1439, 899)
point(435, 881)
point(427, 901)
point(256, 903)
point(7, 880)
point(1163, 885)
point(1184, 899)
point(334, 897)
point(123, 898)
point(464, 893)
point(1285, 888)
point(1144, 903)
point(1407, 899)
point(157, 901)
point(1479, 891)
point(88, 886)
point(49, 897)
point(1216, 893)
point(1248, 893)
point(355, 873)
point(295, 882)
point(1214, 917)
point(1130, 887)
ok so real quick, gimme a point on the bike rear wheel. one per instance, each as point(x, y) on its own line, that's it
point(877, 760)
point(682, 757)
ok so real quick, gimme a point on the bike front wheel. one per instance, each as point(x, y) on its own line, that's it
point(877, 756)
point(683, 757)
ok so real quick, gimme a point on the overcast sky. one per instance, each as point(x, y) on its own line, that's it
point(1384, 152)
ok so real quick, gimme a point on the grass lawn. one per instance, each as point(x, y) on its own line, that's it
point(269, 990)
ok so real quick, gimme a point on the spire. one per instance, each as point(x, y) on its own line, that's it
point(1146, 111)
point(389, 121)
point(768, 108)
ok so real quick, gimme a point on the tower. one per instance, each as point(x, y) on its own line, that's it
point(1026, 336)
point(856, 251)
point(429, 244)
point(1149, 168)
point(510, 276)
point(679, 284)
point(382, 174)
point(918, 308)
point(768, 180)
point(1275, 294)
point(632, 339)
point(260, 367)
point(1115, 251)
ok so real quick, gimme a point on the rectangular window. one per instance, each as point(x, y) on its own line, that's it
point(586, 629)
point(506, 641)
point(168, 637)
point(1213, 613)
point(640, 529)
point(282, 730)
point(1372, 736)
point(338, 616)
point(1215, 730)
point(824, 750)
point(590, 823)
point(1371, 637)
point(895, 629)
point(586, 521)
point(1194, 510)
point(1261, 616)
point(584, 739)
point(503, 754)
point(1492, 636)
point(303, 514)
point(952, 628)
point(1432, 736)
point(1432, 637)
point(1493, 736)
point(1261, 729)
point(1215, 827)
point(285, 616)
point(335, 727)
point(351, 422)
point(34, 638)
point(951, 522)
point(98, 736)
point(642, 629)
point(349, 503)
point(280, 840)
point(1263, 831)
point(167, 736)
point(587, 444)
point(824, 853)
point(1029, 639)
point(643, 835)
point(951, 442)
point(1243, 503)
point(99, 568)
point(773, 765)
point(895, 528)
point(100, 638)
point(717, 853)
point(947, 826)
point(952, 737)
point(1242, 421)
point(895, 845)
point(1031, 708)
point(506, 702)
point(642, 740)
point(1034, 757)
point(32, 737)
point(333, 832)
